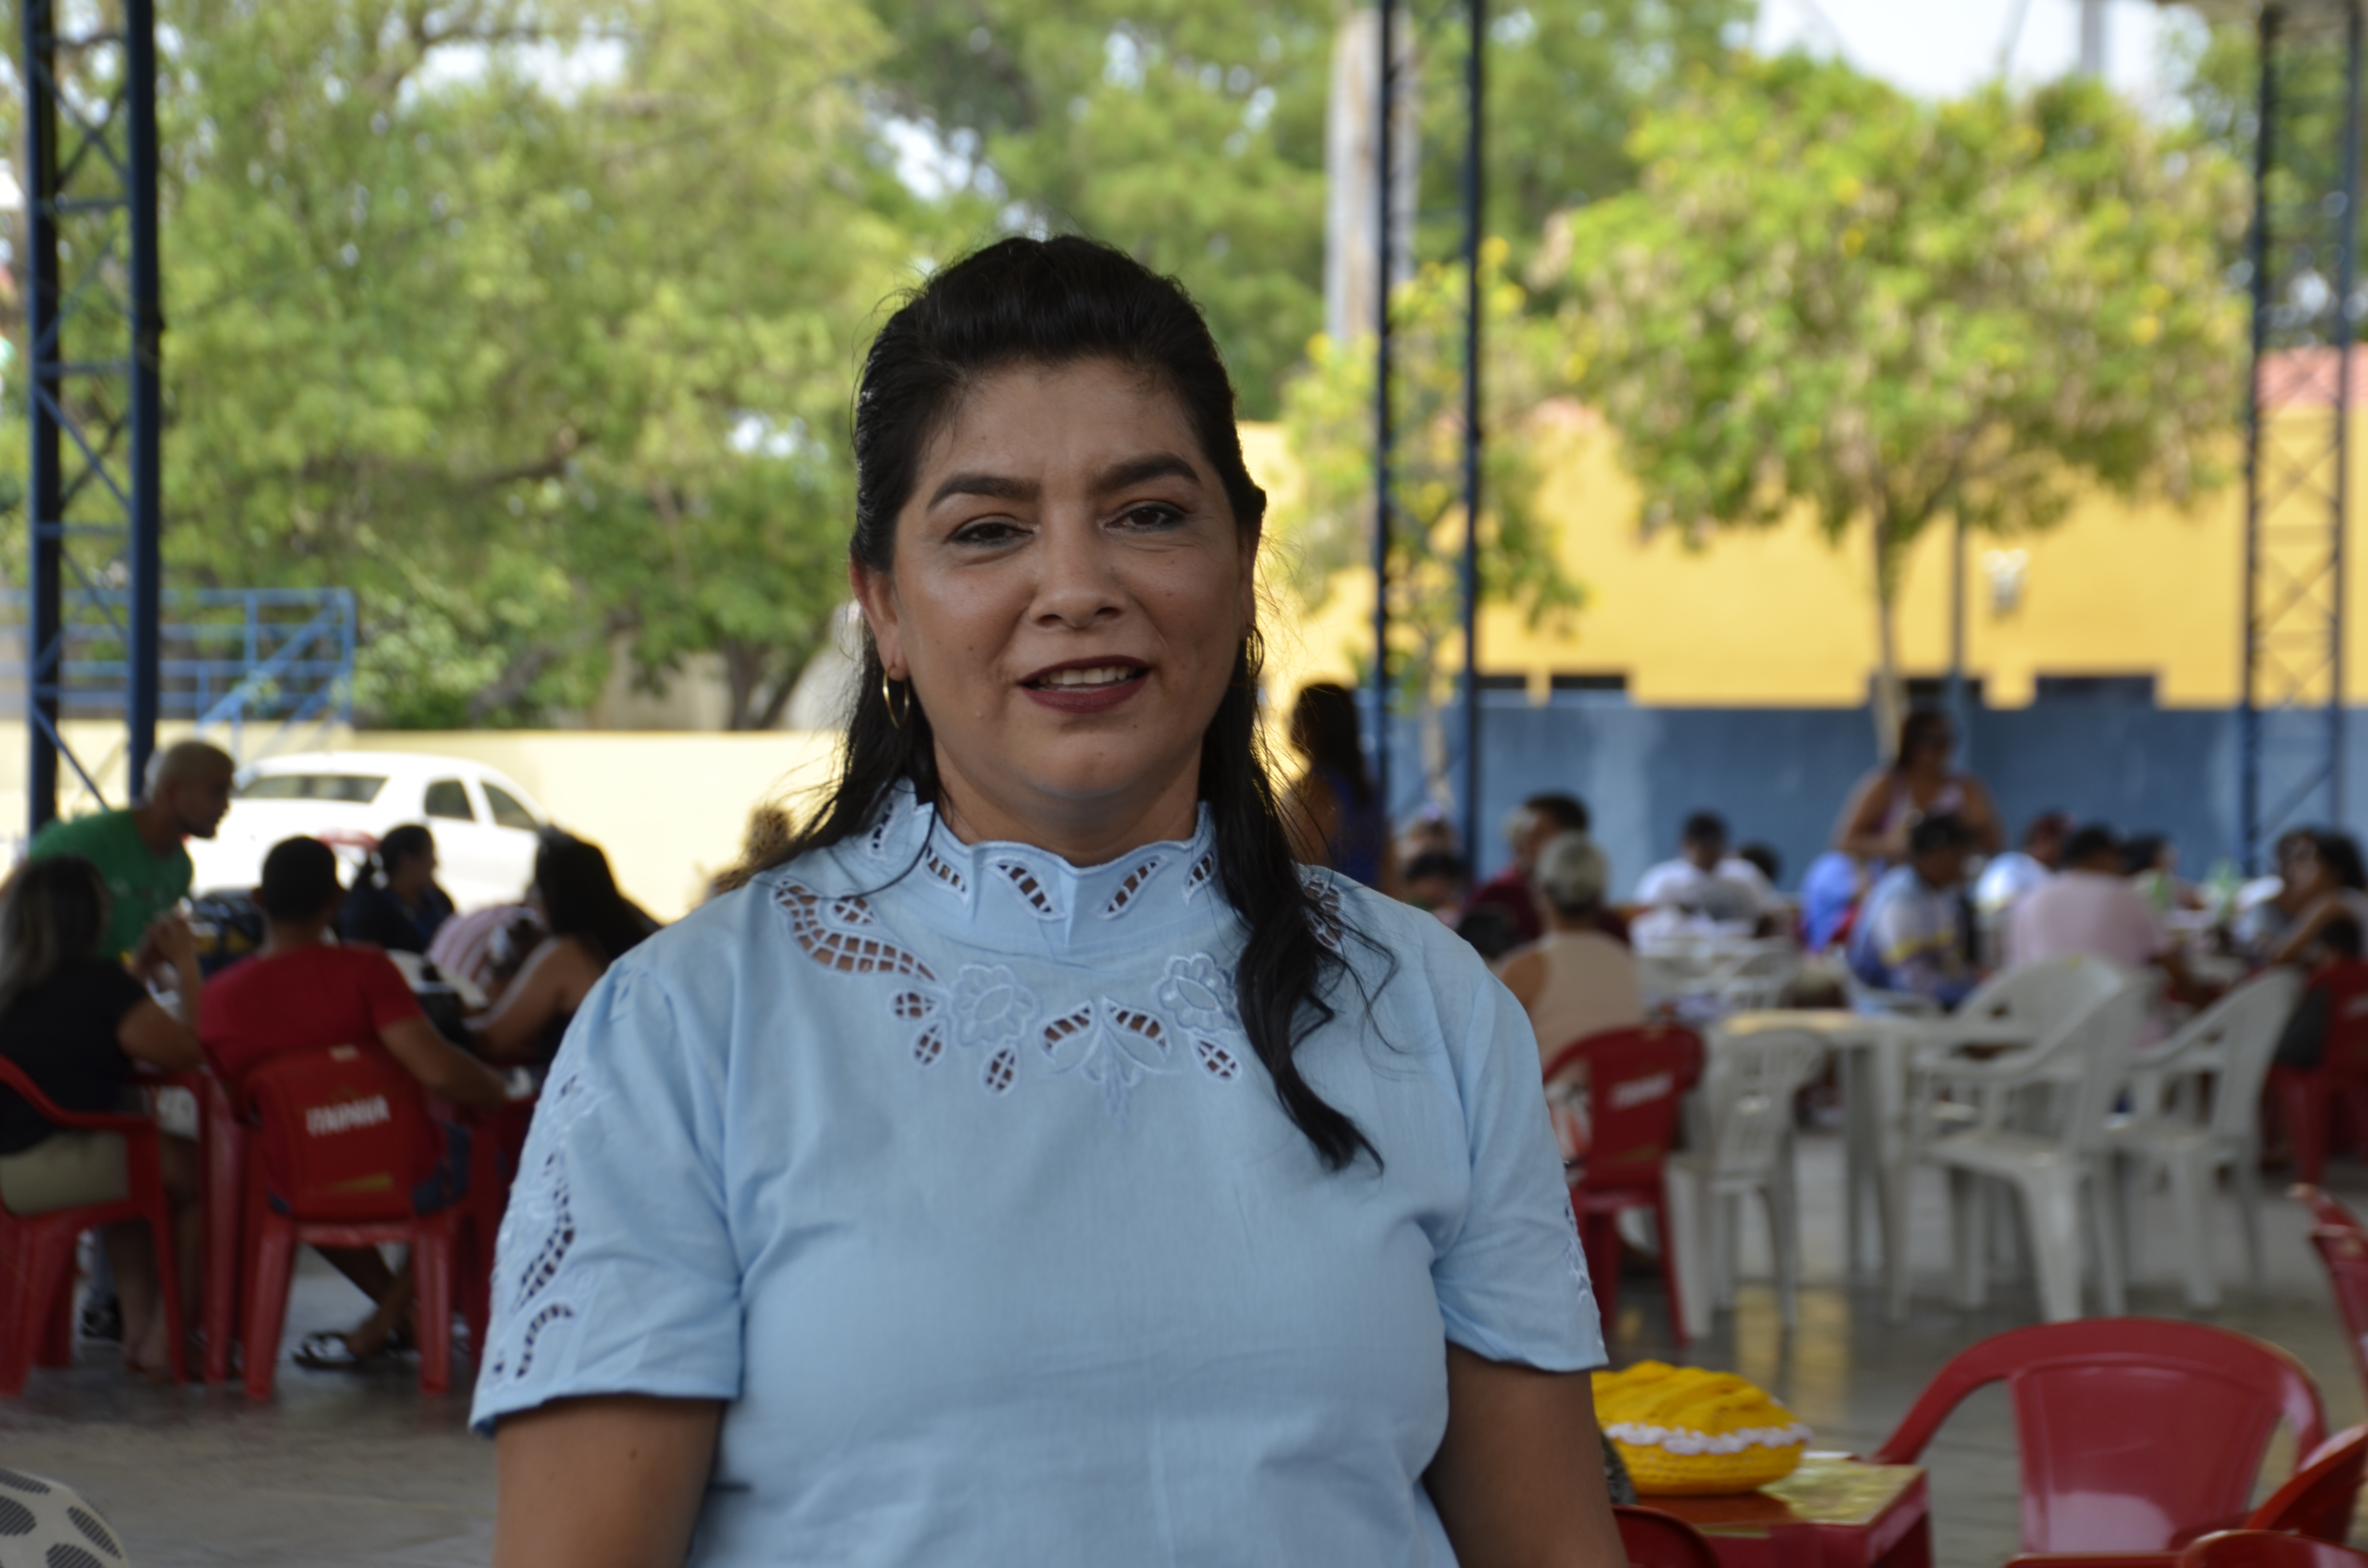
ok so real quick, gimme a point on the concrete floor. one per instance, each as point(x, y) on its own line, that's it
point(341, 1469)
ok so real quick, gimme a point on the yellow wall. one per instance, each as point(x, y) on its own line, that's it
point(1781, 618)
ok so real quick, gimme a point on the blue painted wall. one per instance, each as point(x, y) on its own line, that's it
point(1780, 775)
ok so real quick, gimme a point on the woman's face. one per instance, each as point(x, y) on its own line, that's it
point(1068, 595)
point(2304, 873)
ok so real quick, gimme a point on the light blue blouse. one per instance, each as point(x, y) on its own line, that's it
point(949, 1166)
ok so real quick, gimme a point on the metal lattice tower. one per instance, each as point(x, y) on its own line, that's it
point(93, 326)
point(2302, 261)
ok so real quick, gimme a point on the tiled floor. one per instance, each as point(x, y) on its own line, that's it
point(360, 1470)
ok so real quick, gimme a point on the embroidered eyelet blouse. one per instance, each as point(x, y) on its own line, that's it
point(949, 1168)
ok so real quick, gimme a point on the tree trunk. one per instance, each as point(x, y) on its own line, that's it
point(1889, 704)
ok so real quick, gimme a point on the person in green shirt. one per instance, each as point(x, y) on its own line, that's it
point(139, 849)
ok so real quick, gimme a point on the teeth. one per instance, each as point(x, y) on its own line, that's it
point(1100, 675)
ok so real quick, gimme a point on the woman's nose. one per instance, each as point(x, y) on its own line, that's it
point(1080, 580)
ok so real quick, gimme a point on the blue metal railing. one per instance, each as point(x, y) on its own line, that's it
point(228, 656)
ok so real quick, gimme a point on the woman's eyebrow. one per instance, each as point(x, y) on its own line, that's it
point(1137, 470)
point(994, 485)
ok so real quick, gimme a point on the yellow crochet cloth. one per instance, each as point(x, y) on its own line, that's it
point(1684, 1431)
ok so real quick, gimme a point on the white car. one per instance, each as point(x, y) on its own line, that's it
point(484, 825)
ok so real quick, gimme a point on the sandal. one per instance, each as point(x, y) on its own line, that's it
point(331, 1353)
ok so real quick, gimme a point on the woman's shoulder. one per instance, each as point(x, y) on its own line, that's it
point(1394, 946)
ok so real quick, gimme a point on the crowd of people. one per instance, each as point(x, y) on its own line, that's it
point(104, 984)
point(1914, 902)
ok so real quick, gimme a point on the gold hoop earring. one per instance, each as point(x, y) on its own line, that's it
point(888, 700)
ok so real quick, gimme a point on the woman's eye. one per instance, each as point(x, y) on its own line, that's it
point(986, 532)
point(1151, 516)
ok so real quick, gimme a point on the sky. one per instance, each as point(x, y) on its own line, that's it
point(1942, 48)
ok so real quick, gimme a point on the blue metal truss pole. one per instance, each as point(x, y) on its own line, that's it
point(90, 184)
point(143, 549)
point(1384, 128)
point(1475, 173)
point(44, 639)
point(2249, 716)
point(2346, 318)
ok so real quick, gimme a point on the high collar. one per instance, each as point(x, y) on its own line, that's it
point(1022, 898)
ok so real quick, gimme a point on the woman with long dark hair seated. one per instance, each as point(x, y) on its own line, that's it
point(589, 924)
point(1035, 1166)
point(398, 905)
point(1335, 814)
point(75, 1022)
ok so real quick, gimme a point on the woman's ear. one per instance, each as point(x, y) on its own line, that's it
point(875, 594)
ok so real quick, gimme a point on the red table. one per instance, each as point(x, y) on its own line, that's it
point(1833, 1512)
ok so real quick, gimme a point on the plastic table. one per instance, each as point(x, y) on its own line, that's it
point(1833, 1512)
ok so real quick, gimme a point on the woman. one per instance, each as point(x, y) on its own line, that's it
point(398, 906)
point(1918, 783)
point(589, 925)
point(1036, 1165)
point(74, 1023)
point(2324, 879)
point(1335, 812)
point(1574, 981)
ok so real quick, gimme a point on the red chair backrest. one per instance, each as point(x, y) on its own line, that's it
point(1656, 1539)
point(2345, 985)
point(2267, 1549)
point(2134, 1430)
point(2324, 1208)
point(344, 1131)
point(1637, 1079)
point(2319, 1499)
point(2344, 1250)
point(13, 1079)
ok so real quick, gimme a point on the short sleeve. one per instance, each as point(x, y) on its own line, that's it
point(385, 993)
point(617, 1272)
point(1512, 1283)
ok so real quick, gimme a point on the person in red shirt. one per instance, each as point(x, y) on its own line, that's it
point(1541, 819)
point(301, 993)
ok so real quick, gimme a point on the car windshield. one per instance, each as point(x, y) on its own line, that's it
point(355, 788)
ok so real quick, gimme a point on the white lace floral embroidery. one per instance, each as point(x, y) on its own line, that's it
point(988, 1011)
point(1111, 1046)
point(946, 873)
point(1327, 923)
point(1123, 896)
point(1198, 996)
point(1203, 872)
point(1030, 887)
point(992, 1013)
point(540, 1209)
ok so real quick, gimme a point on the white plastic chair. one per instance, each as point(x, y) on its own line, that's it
point(2032, 1119)
point(1748, 1087)
point(2169, 1134)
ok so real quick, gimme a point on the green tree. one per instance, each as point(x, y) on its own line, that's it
point(540, 358)
point(1825, 295)
point(1327, 527)
point(1192, 132)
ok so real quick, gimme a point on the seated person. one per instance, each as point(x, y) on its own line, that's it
point(1704, 884)
point(398, 906)
point(591, 925)
point(485, 949)
point(2092, 908)
point(1435, 880)
point(1830, 890)
point(2010, 878)
point(1915, 933)
point(2338, 985)
point(302, 993)
point(1574, 981)
point(75, 1022)
point(1541, 818)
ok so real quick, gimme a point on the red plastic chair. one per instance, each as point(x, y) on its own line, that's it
point(2309, 1097)
point(1656, 1539)
point(2317, 1502)
point(333, 1157)
point(2342, 1247)
point(2267, 1548)
point(221, 1163)
point(498, 1139)
point(2135, 1432)
point(37, 1295)
point(2319, 1499)
point(1637, 1080)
